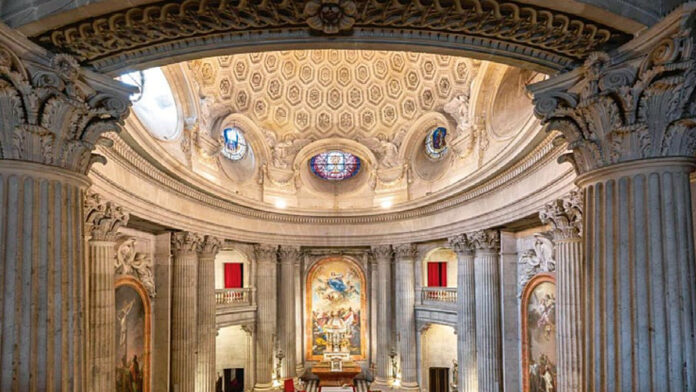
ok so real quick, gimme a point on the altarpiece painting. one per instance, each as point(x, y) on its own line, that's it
point(335, 298)
point(539, 334)
point(132, 336)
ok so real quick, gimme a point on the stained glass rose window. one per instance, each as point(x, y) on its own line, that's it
point(335, 165)
point(435, 143)
point(234, 144)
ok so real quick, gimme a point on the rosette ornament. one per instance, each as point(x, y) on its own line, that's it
point(330, 16)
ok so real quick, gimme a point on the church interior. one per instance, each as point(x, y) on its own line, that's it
point(347, 195)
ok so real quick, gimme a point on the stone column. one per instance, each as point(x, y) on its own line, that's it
point(488, 327)
point(289, 256)
point(266, 265)
point(205, 369)
point(250, 330)
point(466, 314)
point(629, 122)
point(103, 220)
point(299, 322)
point(406, 315)
point(52, 114)
point(184, 311)
point(382, 255)
point(418, 275)
point(565, 218)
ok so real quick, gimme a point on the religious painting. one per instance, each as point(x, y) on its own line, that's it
point(132, 336)
point(335, 309)
point(539, 334)
point(435, 143)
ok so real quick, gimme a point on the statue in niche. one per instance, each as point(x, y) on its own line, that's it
point(537, 260)
point(387, 151)
point(284, 151)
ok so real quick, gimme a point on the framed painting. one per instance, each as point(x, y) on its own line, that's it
point(538, 315)
point(335, 299)
point(132, 336)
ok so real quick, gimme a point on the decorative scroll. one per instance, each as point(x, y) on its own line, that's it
point(132, 336)
point(335, 297)
point(539, 334)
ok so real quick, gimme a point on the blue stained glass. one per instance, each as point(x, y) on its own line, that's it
point(334, 165)
point(235, 145)
point(435, 143)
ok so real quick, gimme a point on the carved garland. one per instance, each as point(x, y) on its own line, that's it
point(113, 35)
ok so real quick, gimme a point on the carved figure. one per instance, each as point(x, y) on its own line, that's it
point(458, 108)
point(284, 151)
point(130, 262)
point(387, 151)
point(537, 260)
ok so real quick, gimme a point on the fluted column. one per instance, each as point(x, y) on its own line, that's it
point(184, 310)
point(466, 314)
point(565, 217)
point(628, 118)
point(52, 114)
point(405, 255)
point(289, 256)
point(266, 266)
point(102, 221)
point(205, 368)
point(488, 328)
point(382, 255)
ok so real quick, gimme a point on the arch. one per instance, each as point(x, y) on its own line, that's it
point(134, 284)
point(334, 286)
point(541, 282)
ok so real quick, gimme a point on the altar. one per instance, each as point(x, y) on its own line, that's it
point(329, 377)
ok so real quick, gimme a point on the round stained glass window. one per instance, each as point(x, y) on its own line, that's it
point(435, 143)
point(234, 144)
point(154, 103)
point(335, 165)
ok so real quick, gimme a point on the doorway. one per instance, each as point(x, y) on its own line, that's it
point(439, 379)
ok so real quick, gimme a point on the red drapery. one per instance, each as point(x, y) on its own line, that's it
point(233, 275)
point(437, 274)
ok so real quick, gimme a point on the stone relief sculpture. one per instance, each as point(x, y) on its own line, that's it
point(284, 151)
point(137, 264)
point(537, 260)
point(458, 109)
point(387, 151)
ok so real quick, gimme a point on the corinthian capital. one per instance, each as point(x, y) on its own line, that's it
point(185, 242)
point(564, 216)
point(485, 239)
point(461, 244)
point(289, 254)
point(265, 253)
point(103, 218)
point(405, 251)
point(54, 111)
point(635, 104)
point(382, 253)
point(209, 245)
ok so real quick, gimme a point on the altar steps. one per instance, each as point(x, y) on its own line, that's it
point(360, 386)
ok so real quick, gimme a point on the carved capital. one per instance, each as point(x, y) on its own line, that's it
point(406, 252)
point(265, 253)
point(289, 254)
point(185, 242)
point(636, 104)
point(382, 253)
point(485, 239)
point(136, 264)
point(209, 246)
point(103, 218)
point(461, 244)
point(54, 111)
point(564, 216)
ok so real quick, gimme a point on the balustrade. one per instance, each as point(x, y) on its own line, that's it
point(439, 295)
point(237, 297)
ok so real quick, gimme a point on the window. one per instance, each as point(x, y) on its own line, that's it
point(154, 103)
point(437, 274)
point(234, 144)
point(435, 143)
point(335, 165)
point(234, 275)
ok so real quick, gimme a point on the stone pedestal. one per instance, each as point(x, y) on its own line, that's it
point(405, 314)
point(488, 327)
point(184, 310)
point(289, 256)
point(466, 314)
point(565, 218)
point(205, 368)
point(382, 255)
point(103, 220)
point(266, 316)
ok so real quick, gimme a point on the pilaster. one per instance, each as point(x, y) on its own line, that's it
point(405, 255)
point(383, 256)
point(205, 364)
point(288, 256)
point(266, 315)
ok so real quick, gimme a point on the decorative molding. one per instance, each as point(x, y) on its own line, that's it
point(637, 103)
point(499, 26)
point(485, 240)
point(532, 262)
point(209, 246)
point(382, 253)
point(405, 252)
point(289, 254)
point(185, 242)
point(565, 217)
point(461, 244)
point(54, 111)
point(128, 262)
point(265, 253)
point(102, 218)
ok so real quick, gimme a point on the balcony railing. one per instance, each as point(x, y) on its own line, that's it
point(439, 296)
point(237, 297)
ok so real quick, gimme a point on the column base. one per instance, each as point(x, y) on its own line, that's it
point(381, 384)
point(263, 387)
point(408, 386)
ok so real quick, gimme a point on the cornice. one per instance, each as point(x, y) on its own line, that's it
point(128, 159)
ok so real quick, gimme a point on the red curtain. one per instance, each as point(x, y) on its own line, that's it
point(437, 274)
point(234, 277)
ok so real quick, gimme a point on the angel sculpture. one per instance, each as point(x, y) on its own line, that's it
point(539, 259)
point(212, 113)
point(387, 151)
point(458, 108)
point(130, 262)
point(283, 151)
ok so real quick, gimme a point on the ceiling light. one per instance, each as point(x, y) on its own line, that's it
point(386, 203)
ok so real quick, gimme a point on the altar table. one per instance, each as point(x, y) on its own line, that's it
point(328, 378)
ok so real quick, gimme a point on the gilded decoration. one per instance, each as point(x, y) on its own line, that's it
point(539, 361)
point(336, 299)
